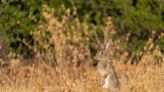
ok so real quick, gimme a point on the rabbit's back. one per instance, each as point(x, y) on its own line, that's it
point(113, 81)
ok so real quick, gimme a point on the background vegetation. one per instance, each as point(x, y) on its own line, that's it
point(138, 19)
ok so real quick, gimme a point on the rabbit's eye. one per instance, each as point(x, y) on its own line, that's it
point(101, 53)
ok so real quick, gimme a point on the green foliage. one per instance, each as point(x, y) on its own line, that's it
point(3, 45)
point(18, 18)
point(135, 17)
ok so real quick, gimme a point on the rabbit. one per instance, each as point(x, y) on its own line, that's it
point(106, 69)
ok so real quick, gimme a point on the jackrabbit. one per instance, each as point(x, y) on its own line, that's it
point(106, 69)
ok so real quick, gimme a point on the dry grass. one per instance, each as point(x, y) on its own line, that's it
point(43, 78)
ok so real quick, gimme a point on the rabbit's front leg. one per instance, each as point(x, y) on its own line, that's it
point(106, 82)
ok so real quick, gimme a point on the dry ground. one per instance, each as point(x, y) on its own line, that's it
point(43, 78)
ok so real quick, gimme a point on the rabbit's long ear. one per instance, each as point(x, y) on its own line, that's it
point(108, 44)
point(102, 46)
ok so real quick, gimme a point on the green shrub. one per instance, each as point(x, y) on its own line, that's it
point(18, 18)
point(136, 18)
